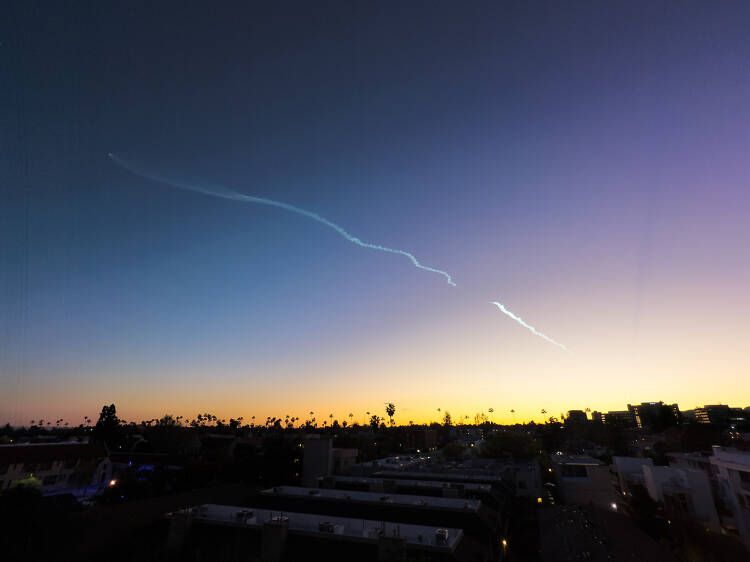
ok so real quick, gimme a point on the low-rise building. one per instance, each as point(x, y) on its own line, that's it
point(232, 534)
point(732, 471)
point(629, 471)
point(321, 458)
point(685, 493)
point(59, 466)
point(583, 480)
point(433, 488)
point(457, 475)
point(481, 524)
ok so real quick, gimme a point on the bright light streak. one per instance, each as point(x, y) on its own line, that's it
point(528, 326)
point(219, 191)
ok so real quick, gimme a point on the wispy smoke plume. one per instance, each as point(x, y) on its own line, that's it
point(219, 191)
point(528, 326)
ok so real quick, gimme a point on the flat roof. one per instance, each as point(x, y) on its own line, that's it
point(396, 460)
point(462, 475)
point(582, 460)
point(41, 452)
point(425, 502)
point(340, 528)
point(471, 486)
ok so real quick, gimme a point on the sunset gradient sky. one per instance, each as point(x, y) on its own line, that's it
point(586, 164)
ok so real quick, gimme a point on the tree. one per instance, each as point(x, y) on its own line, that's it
point(480, 418)
point(168, 420)
point(447, 421)
point(374, 421)
point(509, 444)
point(453, 450)
point(107, 429)
point(390, 409)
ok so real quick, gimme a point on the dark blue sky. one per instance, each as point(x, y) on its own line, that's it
point(576, 159)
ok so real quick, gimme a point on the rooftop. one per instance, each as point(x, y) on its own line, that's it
point(448, 475)
point(582, 460)
point(40, 452)
point(326, 526)
point(426, 502)
point(431, 484)
point(740, 459)
point(399, 461)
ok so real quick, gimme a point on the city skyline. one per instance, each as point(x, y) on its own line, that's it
point(324, 417)
point(585, 166)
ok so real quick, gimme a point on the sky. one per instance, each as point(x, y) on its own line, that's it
point(584, 163)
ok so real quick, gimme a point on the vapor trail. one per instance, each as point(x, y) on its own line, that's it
point(219, 191)
point(528, 326)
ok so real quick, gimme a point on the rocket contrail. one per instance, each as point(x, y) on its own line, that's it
point(528, 326)
point(219, 191)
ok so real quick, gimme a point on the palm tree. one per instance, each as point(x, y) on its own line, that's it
point(390, 409)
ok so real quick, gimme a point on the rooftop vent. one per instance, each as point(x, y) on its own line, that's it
point(244, 515)
point(326, 527)
point(441, 536)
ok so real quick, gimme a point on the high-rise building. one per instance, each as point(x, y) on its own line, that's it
point(717, 414)
point(576, 418)
point(621, 418)
point(654, 415)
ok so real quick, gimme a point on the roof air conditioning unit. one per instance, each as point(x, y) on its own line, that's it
point(244, 515)
point(441, 536)
point(326, 527)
